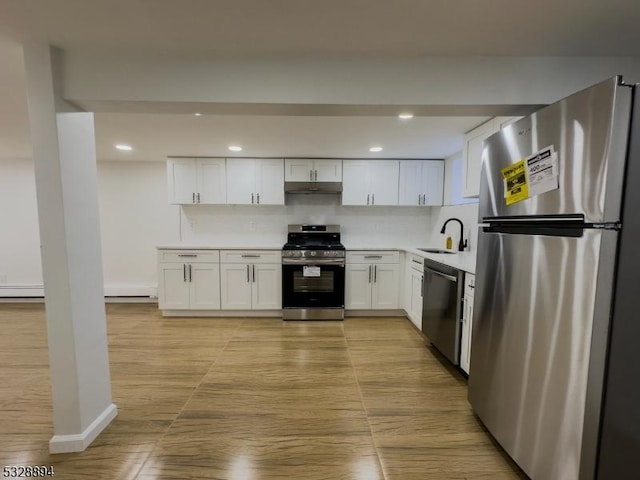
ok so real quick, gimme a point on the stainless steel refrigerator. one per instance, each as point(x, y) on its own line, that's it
point(555, 356)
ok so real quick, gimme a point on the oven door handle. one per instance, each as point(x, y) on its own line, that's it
point(310, 262)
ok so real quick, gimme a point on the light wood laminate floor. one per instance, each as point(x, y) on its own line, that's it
point(252, 399)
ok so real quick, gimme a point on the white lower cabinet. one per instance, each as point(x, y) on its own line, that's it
point(188, 281)
point(467, 322)
point(372, 284)
point(250, 281)
point(413, 287)
point(213, 280)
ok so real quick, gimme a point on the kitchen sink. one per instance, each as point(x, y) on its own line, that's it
point(434, 250)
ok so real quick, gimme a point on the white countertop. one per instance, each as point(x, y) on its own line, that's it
point(465, 261)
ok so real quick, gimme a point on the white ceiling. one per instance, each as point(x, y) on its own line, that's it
point(333, 27)
point(156, 136)
point(297, 28)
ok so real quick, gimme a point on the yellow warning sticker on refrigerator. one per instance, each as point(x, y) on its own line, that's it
point(516, 187)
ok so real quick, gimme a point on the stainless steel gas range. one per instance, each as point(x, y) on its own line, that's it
point(313, 275)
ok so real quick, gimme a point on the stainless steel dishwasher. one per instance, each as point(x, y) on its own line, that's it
point(442, 308)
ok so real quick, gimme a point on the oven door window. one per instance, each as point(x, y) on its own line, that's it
point(325, 283)
point(325, 290)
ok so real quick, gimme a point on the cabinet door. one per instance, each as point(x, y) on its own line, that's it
point(266, 286)
point(212, 180)
point(181, 180)
point(384, 175)
point(355, 182)
point(235, 286)
point(415, 306)
point(465, 340)
point(327, 170)
point(241, 181)
point(411, 186)
point(270, 182)
point(204, 286)
point(173, 287)
point(432, 181)
point(358, 279)
point(298, 170)
point(472, 157)
point(384, 294)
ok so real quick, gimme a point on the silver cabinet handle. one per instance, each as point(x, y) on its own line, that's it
point(369, 273)
point(424, 198)
point(373, 199)
point(190, 277)
point(258, 196)
point(422, 287)
point(375, 274)
point(250, 255)
point(311, 175)
point(472, 287)
point(252, 199)
point(440, 274)
point(190, 255)
point(248, 278)
point(316, 178)
point(419, 199)
point(416, 261)
point(198, 197)
point(253, 268)
point(184, 272)
point(368, 199)
point(373, 256)
point(193, 198)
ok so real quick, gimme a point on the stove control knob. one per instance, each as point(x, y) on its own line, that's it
point(313, 253)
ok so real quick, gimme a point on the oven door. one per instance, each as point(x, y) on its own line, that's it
point(313, 285)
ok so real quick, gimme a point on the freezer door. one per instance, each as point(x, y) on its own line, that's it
point(534, 314)
point(589, 132)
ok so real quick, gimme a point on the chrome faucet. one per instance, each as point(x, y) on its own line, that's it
point(463, 243)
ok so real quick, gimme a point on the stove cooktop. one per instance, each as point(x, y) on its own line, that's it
point(313, 246)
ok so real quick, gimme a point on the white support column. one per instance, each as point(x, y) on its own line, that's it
point(64, 157)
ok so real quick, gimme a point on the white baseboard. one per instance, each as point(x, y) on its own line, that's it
point(374, 313)
point(80, 441)
point(29, 291)
point(223, 313)
point(17, 291)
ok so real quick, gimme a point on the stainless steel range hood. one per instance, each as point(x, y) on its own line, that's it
point(313, 187)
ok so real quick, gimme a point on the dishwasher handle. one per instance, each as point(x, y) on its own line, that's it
point(451, 278)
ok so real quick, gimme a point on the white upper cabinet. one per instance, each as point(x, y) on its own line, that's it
point(355, 182)
point(298, 170)
point(212, 181)
point(313, 170)
point(253, 181)
point(196, 180)
point(472, 152)
point(421, 182)
point(370, 182)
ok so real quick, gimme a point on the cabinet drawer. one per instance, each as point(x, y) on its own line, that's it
point(382, 256)
point(415, 262)
point(251, 256)
point(189, 256)
point(469, 283)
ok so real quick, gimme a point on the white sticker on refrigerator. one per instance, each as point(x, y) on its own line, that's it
point(542, 171)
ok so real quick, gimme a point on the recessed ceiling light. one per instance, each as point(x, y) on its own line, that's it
point(405, 116)
point(124, 147)
point(235, 148)
point(197, 114)
point(375, 149)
